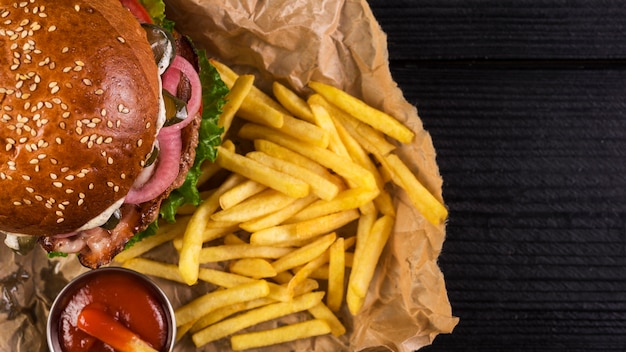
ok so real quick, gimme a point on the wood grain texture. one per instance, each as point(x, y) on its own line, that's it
point(525, 101)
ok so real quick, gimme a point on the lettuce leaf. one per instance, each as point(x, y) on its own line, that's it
point(214, 92)
point(156, 10)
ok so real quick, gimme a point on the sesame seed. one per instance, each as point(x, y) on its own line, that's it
point(52, 28)
point(57, 184)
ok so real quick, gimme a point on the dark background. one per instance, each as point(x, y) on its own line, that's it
point(526, 105)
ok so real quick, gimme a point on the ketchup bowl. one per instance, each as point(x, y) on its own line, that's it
point(109, 307)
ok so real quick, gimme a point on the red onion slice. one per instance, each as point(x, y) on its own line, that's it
point(166, 171)
point(171, 78)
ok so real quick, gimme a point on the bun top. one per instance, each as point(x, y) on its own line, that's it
point(79, 97)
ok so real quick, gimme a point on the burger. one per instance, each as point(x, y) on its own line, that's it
point(106, 116)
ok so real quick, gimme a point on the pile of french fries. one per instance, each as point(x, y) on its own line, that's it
point(299, 221)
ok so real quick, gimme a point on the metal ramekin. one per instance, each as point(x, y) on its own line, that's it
point(67, 292)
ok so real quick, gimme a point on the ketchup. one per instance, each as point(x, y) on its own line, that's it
point(122, 297)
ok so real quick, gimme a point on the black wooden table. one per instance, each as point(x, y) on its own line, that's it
point(526, 104)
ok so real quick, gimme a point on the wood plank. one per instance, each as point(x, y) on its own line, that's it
point(533, 167)
point(503, 29)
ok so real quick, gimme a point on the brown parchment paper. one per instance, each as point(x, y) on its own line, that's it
point(292, 41)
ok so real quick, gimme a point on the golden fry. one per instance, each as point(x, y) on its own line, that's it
point(322, 119)
point(209, 302)
point(256, 316)
point(283, 153)
point(305, 131)
point(224, 312)
point(255, 268)
point(229, 77)
point(304, 230)
point(433, 210)
point(292, 102)
point(287, 333)
point(266, 202)
point(346, 200)
point(322, 187)
point(238, 92)
point(363, 270)
point(262, 174)
point(367, 114)
point(189, 259)
point(341, 165)
point(278, 216)
point(239, 251)
point(304, 254)
point(321, 311)
point(154, 268)
point(240, 192)
point(336, 272)
point(369, 138)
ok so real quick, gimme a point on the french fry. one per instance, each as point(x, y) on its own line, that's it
point(322, 119)
point(424, 201)
point(256, 106)
point(231, 239)
point(224, 312)
point(304, 230)
point(346, 200)
point(322, 187)
point(222, 278)
point(283, 153)
point(292, 332)
point(367, 114)
point(369, 138)
point(189, 258)
point(240, 192)
point(166, 233)
point(239, 251)
point(305, 271)
point(292, 102)
point(256, 316)
point(305, 131)
point(229, 76)
point(255, 268)
point(238, 92)
point(336, 272)
point(154, 268)
point(304, 254)
point(363, 270)
point(321, 311)
point(341, 165)
point(262, 174)
point(266, 202)
point(208, 302)
point(278, 216)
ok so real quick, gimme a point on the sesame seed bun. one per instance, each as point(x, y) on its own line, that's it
point(79, 95)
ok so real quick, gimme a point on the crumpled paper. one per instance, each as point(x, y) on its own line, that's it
point(340, 42)
point(334, 41)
